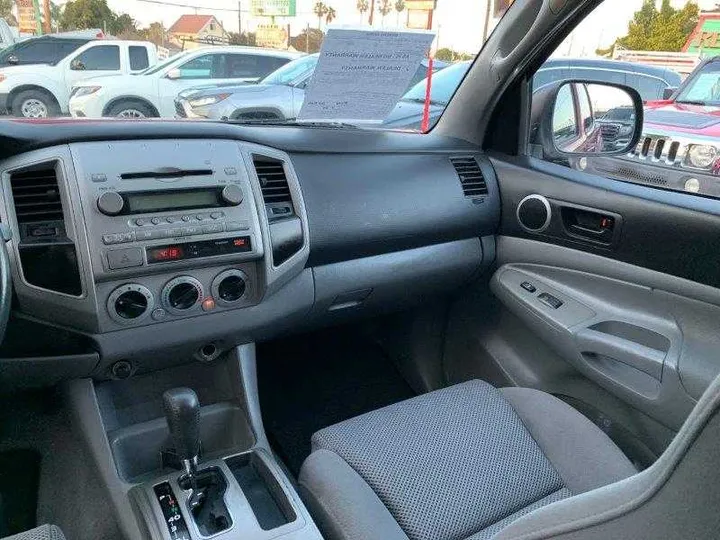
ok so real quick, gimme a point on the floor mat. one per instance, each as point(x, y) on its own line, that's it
point(312, 381)
point(19, 482)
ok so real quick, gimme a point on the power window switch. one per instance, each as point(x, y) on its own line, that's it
point(550, 300)
point(529, 287)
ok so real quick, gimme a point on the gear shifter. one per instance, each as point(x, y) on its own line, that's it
point(182, 411)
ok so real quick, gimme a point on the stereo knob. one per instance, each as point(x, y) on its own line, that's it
point(232, 195)
point(110, 203)
point(130, 302)
point(182, 294)
point(229, 286)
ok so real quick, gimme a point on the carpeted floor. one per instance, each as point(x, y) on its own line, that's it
point(312, 381)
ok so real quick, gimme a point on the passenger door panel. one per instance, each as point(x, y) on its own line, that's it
point(638, 313)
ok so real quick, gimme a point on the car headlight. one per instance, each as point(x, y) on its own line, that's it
point(84, 90)
point(626, 130)
point(210, 100)
point(702, 156)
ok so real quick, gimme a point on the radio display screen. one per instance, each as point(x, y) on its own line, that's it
point(196, 250)
point(181, 199)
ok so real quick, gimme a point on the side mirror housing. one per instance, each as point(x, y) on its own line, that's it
point(77, 65)
point(14, 60)
point(668, 92)
point(174, 74)
point(575, 118)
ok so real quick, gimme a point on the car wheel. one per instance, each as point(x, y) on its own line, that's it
point(34, 104)
point(131, 109)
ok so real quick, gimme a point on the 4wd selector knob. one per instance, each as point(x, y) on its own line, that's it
point(182, 294)
point(110, 203)
point(232, 195)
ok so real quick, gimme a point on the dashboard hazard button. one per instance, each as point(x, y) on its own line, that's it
point(124, 258)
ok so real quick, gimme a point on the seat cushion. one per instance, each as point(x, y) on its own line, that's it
point(44, 532)
point(458, 463)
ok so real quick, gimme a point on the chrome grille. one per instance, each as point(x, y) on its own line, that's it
point(659, 149)
point(609, 131)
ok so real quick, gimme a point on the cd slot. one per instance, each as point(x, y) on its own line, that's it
point(166, 172)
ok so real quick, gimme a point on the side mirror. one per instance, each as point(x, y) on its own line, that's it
point(77, 65)
point(12, 59)
point(585, 118)
point(668, 92)
point(174, 74)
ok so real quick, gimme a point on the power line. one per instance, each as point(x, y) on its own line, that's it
point(165, 3)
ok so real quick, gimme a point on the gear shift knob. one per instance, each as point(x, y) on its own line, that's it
point(182, 411)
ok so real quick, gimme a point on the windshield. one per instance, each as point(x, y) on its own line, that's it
point(162, 65)
point(443, 85)
point(704, 87)
point(346, 63)
point(292, 71)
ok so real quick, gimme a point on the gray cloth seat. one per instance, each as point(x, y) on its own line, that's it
point(44, 532)
point(459, 463)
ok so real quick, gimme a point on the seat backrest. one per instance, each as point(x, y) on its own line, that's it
point(677, 497)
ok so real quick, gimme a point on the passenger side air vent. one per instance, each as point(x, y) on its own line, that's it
point(471, 177)
point(36, 195)
point(286, 233)
point(273, 182)
point(47, 256)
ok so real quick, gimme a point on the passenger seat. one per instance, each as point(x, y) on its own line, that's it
point(458, 463)
point(44, 532)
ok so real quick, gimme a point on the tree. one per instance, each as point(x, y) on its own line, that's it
point(85, 14)
point(399, 8)
point(6, 12)
point(362, 6)
point(55, 16)
point(320, 10)
point(243, 38)
point(449, 55)
point(664, 29)
point(331, 15)
point(384, 8)
point(309, 40)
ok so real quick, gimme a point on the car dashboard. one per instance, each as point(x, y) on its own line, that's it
point(145, 245)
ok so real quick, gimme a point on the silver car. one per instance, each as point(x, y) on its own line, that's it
point(278, 96)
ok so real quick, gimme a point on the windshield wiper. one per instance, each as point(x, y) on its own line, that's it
point(422, 100)
point(690, 102)
point(290, 122)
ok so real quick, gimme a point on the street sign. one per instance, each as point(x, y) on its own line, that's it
point(272, 36)
point(27, 23)
point(273, 8)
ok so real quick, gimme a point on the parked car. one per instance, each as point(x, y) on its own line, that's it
point(650, 81)
point(278, 97)
point(40, 50)
point(152, 93)
point(680, 144)
point(42, 90)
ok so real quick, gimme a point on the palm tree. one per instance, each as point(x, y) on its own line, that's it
point(399, 8)
point(330, 14)
point(384, 8)
point(362, 6)
point(320, 11)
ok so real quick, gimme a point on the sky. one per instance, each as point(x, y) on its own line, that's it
point(458, 23)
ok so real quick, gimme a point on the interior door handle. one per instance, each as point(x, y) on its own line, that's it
point(628, 352)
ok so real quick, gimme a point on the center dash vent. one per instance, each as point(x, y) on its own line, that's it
point(273, 180)
point(471, 177)
point(36, 195)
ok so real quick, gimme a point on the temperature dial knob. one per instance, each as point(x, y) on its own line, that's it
point(110, 203)
point(232, 195)
point(182, 294)
point(131, 302)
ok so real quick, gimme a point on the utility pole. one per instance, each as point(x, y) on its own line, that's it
point(46, 14)
point(372, 11)
point(487, 20)
point(239, 17)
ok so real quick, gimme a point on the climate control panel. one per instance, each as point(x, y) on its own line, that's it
point(159, 299)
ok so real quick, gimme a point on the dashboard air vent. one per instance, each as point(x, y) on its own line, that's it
point(36, 195)
point(273, 181)
point(471, 177)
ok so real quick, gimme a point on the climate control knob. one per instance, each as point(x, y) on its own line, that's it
point(232, 195)
point(229, 287)
point(182, 294)
point(129, 303)
point(110, 203)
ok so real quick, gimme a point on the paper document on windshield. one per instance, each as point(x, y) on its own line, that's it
point(362, 73)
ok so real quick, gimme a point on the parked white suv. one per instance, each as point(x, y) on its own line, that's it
point(153, 92)
point(41, 90)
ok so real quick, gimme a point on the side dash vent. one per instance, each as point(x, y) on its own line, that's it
point(471, 177)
